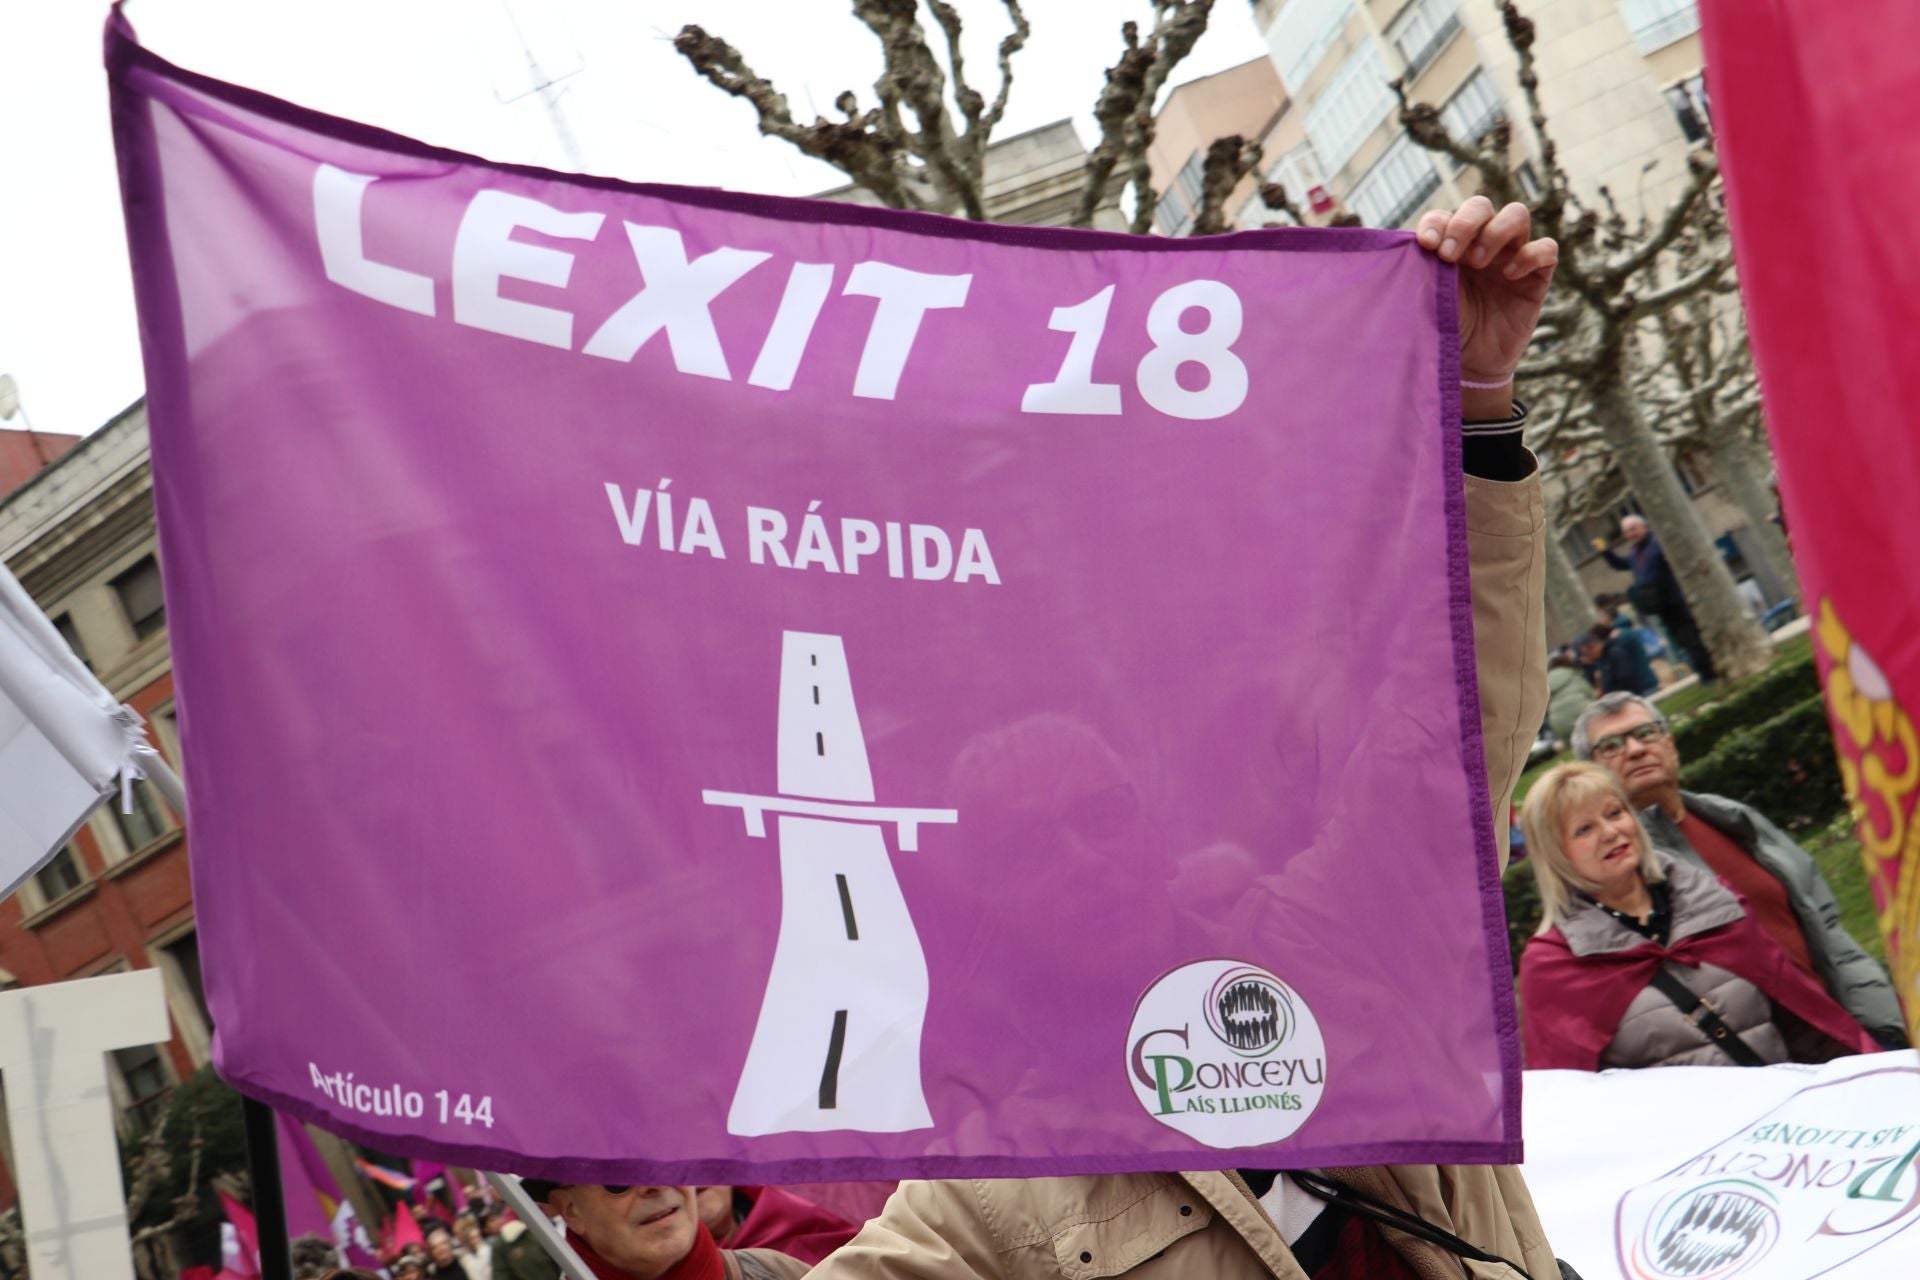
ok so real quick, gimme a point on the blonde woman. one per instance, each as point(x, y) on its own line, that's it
point(1645, 960)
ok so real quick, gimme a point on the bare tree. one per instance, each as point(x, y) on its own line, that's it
point(1615, 280)
point(923, 143)
point(151, 1168)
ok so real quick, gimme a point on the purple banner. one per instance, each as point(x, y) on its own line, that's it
point(691, 687)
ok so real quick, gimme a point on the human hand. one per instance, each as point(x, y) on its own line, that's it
point(1504, 275)
point(1599, 544)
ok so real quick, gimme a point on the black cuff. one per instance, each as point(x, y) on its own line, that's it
point(1494, 450)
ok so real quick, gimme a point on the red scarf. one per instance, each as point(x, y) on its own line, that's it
point(701, 1263)
point(1571, 1005)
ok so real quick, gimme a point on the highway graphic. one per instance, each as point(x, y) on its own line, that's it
point(837, 1045)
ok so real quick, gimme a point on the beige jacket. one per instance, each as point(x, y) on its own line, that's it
point(1170, 1226)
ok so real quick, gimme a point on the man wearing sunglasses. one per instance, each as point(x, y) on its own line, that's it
point(651, 1233)
point(1780, 881)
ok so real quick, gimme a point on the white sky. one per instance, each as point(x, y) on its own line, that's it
point(434, 69)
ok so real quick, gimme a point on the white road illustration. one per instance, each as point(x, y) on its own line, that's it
point(837, 1045)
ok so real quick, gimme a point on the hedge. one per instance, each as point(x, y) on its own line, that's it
point(1773, 692)
point(1785, 768)
point(1523, 907)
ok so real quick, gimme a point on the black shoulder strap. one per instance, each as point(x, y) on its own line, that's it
point(1321, 1187)
point(1705, 1017)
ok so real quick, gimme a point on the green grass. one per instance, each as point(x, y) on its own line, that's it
point(1691, 699)
point(1837, 849)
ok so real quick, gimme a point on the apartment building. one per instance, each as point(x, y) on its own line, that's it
point(1247, 101)
point(1620, 81)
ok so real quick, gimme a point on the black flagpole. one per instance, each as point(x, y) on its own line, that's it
point(269, 1200)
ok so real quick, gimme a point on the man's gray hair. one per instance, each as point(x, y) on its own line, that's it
point(1608, 705)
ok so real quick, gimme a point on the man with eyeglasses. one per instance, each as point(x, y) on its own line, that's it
point(651, 1233)
point(1780, 881)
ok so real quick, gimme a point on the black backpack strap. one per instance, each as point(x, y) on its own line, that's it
point(1363, 1205)
point(1703, 1015)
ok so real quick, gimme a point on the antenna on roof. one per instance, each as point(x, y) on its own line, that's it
point(548, 87)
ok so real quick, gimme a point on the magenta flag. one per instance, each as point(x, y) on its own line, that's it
point(307, 1187)
point(875, 695)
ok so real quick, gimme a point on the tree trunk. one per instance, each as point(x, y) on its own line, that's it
point(1740, 465)
point(1738, 645)
point(1567, 599)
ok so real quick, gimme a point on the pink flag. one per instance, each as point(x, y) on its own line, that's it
point(404, 1229)
point(240, 1251)
point(307, 1186)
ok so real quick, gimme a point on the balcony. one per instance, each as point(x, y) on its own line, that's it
point(1409, 204)
point(1419, 59)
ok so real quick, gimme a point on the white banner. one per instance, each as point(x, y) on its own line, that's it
point(64, 741)
point(1707, 1173)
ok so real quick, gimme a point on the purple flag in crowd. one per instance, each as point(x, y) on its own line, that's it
point(873, 694)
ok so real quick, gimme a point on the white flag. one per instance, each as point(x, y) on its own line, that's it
point(65, 744)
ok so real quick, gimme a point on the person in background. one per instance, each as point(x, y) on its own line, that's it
point(1656, 591)
point(312, 1257)
point(1568, 693)
point(645, 1233)
point(1779, 880)
point(517, 1255)
point(1617, 661)
point(1647, 960)
point(771, 1218)
point(441, 1262)
point(476, 1250)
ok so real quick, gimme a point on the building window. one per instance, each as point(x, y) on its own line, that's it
point(141, 599)
point(1302, 33)
point(1658, 23)
point(1472, 109)
point(1689, 102)
point(148, 822)
point(60, 877)
point(1529, 179)
point(1422, 31)
point(1180, 205)
point(1299, 172)
point(184, 952)
point(1396, 186)
point(1357, 101)
point(71, 634)
point(145, 1075)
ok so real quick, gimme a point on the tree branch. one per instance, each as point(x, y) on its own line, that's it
point(1704, 168)
point(1013, 43)
point(857, 146)
point(1229, 160)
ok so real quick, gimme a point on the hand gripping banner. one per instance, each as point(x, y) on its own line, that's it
point(691, 687)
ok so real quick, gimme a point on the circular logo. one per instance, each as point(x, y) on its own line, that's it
point(1709, 1232)
point(1226, 1053)
point(1250, 1010)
